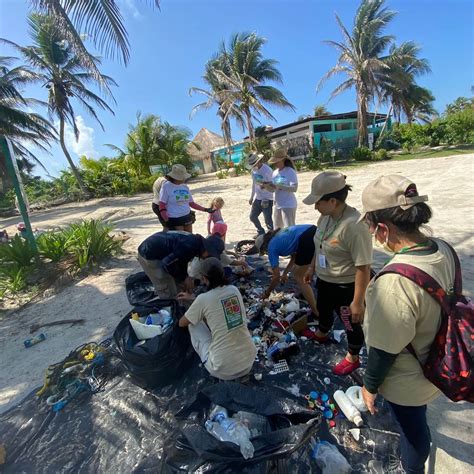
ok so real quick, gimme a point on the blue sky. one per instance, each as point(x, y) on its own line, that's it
point(170, 47)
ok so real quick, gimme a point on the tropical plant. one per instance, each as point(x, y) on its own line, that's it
point(460, 126)
point(244, 73)
point(52, 245)
point(12, 278)
point(361, 154)
point(320, 110)
point(63, 75)
point(361, 57)
point(90, 242)
point(460, 104)
point(18, 251)
point(16, 123)
point(99, 20)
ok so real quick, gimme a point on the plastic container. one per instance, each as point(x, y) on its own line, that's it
point(354, 394)
point(228, 429)
point(346, 406)
point(34, 340)
point(328, 458)
point(257, 424)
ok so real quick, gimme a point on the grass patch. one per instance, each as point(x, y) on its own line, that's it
point(416, 155)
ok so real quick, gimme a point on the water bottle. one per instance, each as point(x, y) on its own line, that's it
point(167, 321)
point(257, 424)
point(34, 340)
point(346, 406)
point(328, 458)
point(228, 429)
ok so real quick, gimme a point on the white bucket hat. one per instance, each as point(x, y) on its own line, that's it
point(179, 173)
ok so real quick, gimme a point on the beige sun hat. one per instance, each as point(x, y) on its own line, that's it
point(179, 173)
point(325, 183)
point(390, 191)
point(278, 155)
point(253, 159)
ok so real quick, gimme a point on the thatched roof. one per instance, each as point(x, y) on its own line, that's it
point(206, 141)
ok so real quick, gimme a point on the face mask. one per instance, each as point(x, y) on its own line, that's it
point(384, 246)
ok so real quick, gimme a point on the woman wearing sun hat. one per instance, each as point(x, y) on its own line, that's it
point(342, 259)
point(399, 312)
point(263, 202)
point(285, 185)
point(176, 200)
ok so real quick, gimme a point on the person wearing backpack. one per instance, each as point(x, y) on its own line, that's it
point(400, 312)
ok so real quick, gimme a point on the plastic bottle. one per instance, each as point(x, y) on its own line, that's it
point(229, 429)
point(257, 424)
point(328, 458)
point(34, 340)
point(346, 406)
point(354, 394)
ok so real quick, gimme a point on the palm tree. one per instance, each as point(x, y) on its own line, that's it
point(100, 20)
point(361, 57)
point(320, 110)
point(215, 97)
point(244, 72)
point(17, 124)
point(63, 75)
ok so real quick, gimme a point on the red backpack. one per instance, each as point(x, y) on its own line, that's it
point(449, 365)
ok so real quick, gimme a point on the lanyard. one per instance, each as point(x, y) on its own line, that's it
point(325, 236)
point(409, 249)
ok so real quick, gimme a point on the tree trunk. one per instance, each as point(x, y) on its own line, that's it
point(389, 113)
point(74, 170)
point(250, 129)
point(361, 119)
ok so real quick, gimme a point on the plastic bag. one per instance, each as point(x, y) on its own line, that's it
point(139, 289)
point(160, 360)
point(329, 459)
point(193, 448)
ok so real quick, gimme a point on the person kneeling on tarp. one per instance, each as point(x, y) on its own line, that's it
point(164, 257)
point(218, 325)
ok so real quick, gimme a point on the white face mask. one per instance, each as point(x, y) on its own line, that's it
point(384, 246)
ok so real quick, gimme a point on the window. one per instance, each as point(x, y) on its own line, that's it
point(324, 127)
point(301, 129)
point(344, 126)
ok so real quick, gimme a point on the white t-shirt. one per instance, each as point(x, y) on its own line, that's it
point(156, 190)
point(177, 198)
point(232, 351)
point(262, 175)
point(285, 199)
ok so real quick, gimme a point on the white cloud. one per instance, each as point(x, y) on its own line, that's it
point(128, 7)
point(85, 144)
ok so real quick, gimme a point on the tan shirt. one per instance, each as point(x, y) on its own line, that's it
point(232, 350)
point(344, 244)
point(156, 189)
point(399, 312)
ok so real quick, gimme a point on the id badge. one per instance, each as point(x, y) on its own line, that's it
point(322, 260)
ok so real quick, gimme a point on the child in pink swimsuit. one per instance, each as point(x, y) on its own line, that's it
point(216, 217)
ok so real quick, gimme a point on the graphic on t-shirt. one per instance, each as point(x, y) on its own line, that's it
point(258, 177)
point(181, 195)
point(232, 312)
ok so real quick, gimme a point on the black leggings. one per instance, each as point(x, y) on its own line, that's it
point(331, 296)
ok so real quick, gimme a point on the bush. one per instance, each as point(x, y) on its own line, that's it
point(17, 251)
point(241, 169)
point(53, 245)
point(223, 174)
point(361, 154)
point(90, 242)
point(12, 278)
point(313, 161)
point(381, 155)
point(460, 127)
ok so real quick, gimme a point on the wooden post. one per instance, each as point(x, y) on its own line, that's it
point(12, 168)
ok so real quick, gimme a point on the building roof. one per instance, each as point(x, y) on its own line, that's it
point(206, 141)
point(346, 115)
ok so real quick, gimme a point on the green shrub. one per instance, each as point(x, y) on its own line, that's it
point(299, 164)
point(381, 155)
point(12, 278)
point(313, 161)
point(223, 174)
point(53, 245)
point(241, 169)
point(90, 242)
point(17, 251)
point(460, 127)
point(361, 154)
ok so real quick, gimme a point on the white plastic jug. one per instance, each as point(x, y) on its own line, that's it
point(354, 394)
point(346, 406)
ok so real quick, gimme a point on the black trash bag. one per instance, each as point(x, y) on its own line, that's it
point(246, 247)
point(158, 361)
point(192, 447)
point(139, 289)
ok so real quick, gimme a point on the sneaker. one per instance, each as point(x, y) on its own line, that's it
point(312, 335)
point(345, 367)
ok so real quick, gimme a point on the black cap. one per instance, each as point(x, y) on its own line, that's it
point(214, 246)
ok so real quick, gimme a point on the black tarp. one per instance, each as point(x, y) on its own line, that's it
point(126, 429)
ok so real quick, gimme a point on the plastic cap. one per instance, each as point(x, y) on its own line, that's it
point(358, 420)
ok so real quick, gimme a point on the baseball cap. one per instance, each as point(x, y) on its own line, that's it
point(390, 191)
point(214, 246)
point(211, 265)
point(325, 183)
point(253, 159)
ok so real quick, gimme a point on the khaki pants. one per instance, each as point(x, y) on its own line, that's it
point(164, 284)
point(285, 217)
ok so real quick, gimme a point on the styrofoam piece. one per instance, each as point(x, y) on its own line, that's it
point(145, 331)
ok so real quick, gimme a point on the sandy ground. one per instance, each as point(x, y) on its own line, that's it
point(101, 299)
